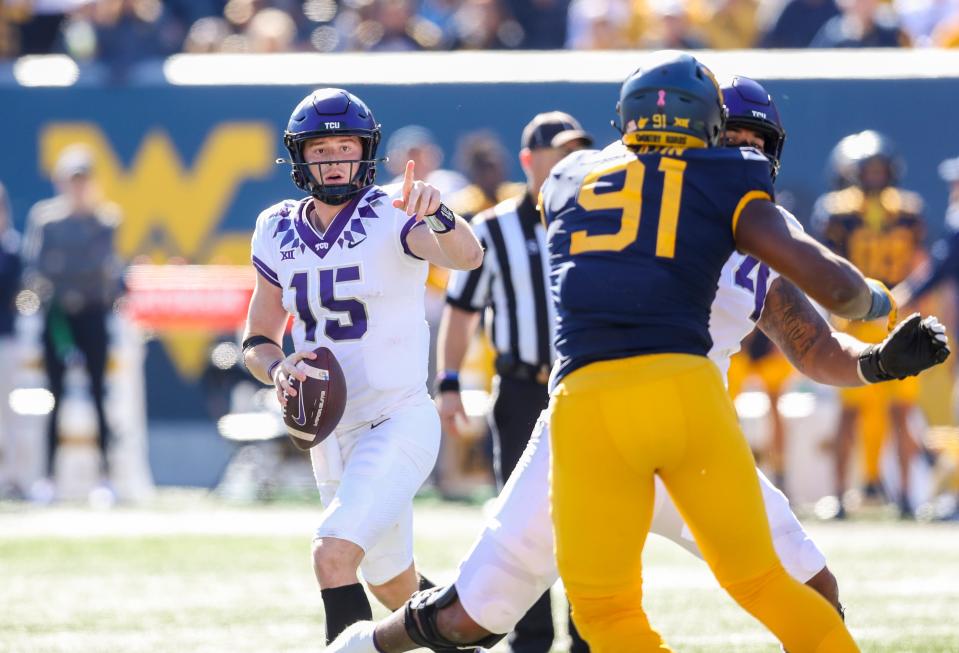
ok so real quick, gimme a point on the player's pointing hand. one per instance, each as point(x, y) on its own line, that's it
point(419, 198)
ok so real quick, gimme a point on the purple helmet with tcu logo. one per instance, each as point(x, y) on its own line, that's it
point(332, 112)
point(751, 107)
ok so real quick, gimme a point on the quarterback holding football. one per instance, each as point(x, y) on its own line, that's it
point(349, 262)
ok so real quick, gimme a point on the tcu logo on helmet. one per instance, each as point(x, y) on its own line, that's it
point(332, 125)
point(758, 114)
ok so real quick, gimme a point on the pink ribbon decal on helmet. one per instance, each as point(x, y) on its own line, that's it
point(661, 102)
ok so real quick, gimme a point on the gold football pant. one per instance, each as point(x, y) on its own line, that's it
point(614, 425)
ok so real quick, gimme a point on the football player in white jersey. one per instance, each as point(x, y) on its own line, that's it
point(511, 564)
point(349, 262)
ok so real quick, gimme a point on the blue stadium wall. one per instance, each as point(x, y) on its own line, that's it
point(197, 162)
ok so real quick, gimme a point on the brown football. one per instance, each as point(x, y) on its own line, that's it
point(319, 403)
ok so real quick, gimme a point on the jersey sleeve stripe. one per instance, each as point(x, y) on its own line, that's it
point(410, 225)
point(746, 199)
point(266, 272)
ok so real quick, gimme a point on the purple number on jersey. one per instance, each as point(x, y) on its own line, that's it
point(334, 329)
point(301, 287)
point(758, 288)
point(354, 308)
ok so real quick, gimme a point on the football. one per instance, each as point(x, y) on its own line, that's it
point(319, 403)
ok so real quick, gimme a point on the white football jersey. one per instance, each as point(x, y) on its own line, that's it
point(739, 301)
point(355, 289)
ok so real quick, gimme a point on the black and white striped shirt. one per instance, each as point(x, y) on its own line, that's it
point(512, 283)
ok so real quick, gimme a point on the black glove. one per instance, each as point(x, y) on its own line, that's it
point(916, 344)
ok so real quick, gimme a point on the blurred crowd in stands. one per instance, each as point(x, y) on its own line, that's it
point(131, 31)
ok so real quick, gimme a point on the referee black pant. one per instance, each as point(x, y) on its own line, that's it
point(516, 406)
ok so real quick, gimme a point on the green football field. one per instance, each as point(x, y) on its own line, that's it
point(192, 574)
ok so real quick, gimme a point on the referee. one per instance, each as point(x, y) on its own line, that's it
point(511, 286)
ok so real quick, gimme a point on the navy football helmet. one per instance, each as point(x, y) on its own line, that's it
point(749, 106)
point(332, 112)
point(851, 155)
point(672, 100)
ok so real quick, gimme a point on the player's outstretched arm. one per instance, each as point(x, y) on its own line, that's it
point(449, 242)
point(792, 322)
point(828, 278)
point(834, 358)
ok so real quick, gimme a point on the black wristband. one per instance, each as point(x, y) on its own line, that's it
point(448, 382)
point(253, 341)
point(870, 367)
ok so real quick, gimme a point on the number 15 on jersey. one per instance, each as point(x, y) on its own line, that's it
point(353, 323)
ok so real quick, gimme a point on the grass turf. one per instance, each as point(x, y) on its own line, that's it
point(194, 575)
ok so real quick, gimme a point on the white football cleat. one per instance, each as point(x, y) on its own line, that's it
point(358, 638)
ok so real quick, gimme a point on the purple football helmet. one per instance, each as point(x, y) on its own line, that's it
point(332, 112)
point(751, 107)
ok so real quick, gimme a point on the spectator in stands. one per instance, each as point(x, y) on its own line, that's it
point(485, 25)
point(484, 159)
point(598, 25)
point(271, 30)
point(921, 18)
point(12, 14)
point(207, 35)
point(441, 13)
point(798, 23)
point(946, 34)
point(188, 12)
point(129, 32)
point(862, 24)
point(71, 265)
point(240, 14)
point(729, 24)
point(10, 273)
point(672, 27)
point(543, 22)
point(395, 27)
point(42, 20)
point(78, 37)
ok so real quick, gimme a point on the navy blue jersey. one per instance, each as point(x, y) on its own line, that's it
point(637, 243)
